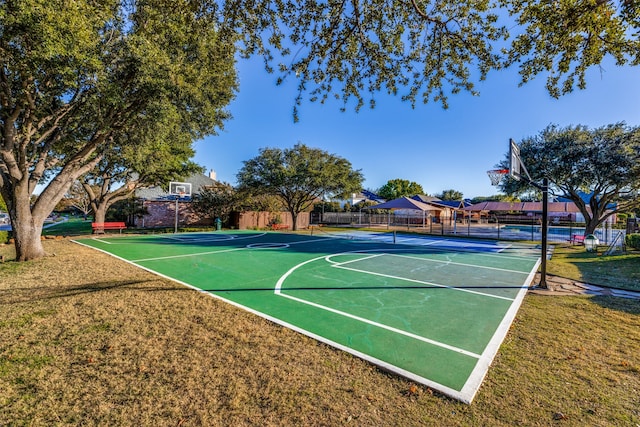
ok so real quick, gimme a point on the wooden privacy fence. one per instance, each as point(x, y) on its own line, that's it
point(254, 219)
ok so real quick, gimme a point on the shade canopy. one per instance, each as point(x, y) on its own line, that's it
point(405, 203)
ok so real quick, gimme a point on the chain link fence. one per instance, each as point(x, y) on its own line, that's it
point(495, 227)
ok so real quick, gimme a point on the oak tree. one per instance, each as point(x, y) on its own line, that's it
point(299, 176)
point(76, 74)
point(603, 163)
point(396, 188)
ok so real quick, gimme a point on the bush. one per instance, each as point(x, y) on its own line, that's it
point(4, 236)
point(632, 240)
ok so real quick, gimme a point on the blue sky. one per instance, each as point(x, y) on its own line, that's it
point(439, 149)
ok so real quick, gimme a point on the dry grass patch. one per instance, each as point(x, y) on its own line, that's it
point(88, 339)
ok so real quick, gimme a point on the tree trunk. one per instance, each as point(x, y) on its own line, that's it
point(590, 225)
point(99, 216)
point(27, 230)
point(27, 240)
point(294, 218)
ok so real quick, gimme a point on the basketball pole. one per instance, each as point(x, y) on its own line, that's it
point(544, 228)
point(175, 228)
point(545, 231)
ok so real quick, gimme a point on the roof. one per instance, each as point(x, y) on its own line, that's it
point(568, 207)
point(586, 197)
point(372, 196)
point(405, 203)
point(425, 199)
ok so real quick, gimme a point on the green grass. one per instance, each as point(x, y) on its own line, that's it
point(72, 227)
point(617, 271)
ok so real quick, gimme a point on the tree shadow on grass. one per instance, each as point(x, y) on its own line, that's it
point(626, 305)
point(27, 294)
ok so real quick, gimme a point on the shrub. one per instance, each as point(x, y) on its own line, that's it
point(4, 236)
point(632, 240)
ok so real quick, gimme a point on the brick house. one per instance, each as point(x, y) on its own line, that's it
point(161, 206)
point(161, 210)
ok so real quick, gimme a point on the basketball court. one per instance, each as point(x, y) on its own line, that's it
point(434, 310)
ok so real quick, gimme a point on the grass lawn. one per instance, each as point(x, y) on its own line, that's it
point(617, 271)
point(71, 227)
point(88, 339)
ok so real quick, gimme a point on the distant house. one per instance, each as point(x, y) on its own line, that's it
point(371, 196)
point(161, 206)
point(449, 209)
point(161, 209)
point(362, 196)
point(585, 198)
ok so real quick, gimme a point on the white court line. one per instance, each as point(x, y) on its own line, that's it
point(222, 251)
point(100, 240)
point(188, 255)
point(383, 326)
point(423, 282)
point(458, 263)
point(454, 245)
point(278, 291)
point(338, 264)
point(212, 238)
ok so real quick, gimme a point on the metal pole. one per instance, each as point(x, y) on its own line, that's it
point(545, 215)
point(175, 228)
point(455, 221)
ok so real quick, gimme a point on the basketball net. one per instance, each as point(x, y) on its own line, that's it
point(496, 175)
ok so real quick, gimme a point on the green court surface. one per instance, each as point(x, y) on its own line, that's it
point(432, 310)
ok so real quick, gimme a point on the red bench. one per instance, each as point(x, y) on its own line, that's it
point(577, 239)
point(100, 227)
point(279, 226)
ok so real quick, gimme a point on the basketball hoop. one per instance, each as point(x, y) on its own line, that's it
point(496, 175)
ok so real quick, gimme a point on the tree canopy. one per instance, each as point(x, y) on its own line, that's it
point(217, 201)
point(603, 162)
point(426, 51)
point(155, 152)
point(75, 75)
point(299, 176)
point(450, 194)
point(395, 188)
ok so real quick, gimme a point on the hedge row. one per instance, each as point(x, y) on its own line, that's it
point(632, 240)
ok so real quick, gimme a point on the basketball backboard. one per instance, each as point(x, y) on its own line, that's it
point(514, 160)
point(181, 189)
